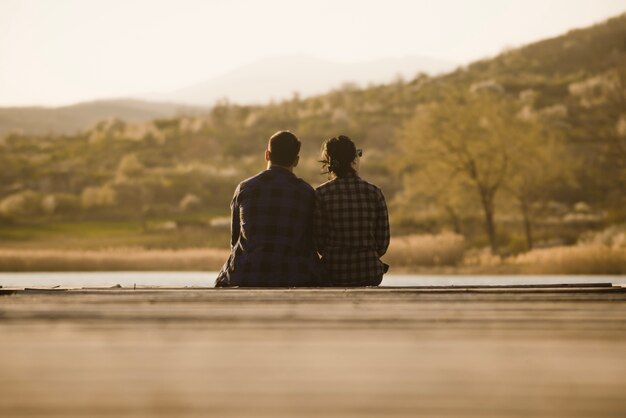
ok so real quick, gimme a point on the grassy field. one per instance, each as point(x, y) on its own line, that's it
point(125, 246)
point(97, 235)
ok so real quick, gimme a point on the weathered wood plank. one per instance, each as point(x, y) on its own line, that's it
point(314, 352)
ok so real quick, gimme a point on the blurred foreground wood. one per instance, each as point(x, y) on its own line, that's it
point(395, 352)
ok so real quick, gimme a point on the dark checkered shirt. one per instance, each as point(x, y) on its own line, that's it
point(272, 237)
point(351, 231)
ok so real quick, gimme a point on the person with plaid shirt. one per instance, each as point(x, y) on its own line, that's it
point(271, 227)
point(350, 223)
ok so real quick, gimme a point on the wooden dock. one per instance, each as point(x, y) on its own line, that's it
point(534, 351)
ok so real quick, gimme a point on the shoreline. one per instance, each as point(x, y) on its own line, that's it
point(592, 260)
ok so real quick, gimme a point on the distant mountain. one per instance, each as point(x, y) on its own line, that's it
point(272, 78)
point(71, 119)
point(279, 77)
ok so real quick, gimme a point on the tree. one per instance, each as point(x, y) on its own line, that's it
point(543, 165)
point(426, 193)
point(535, 177)
point(468, 140)
point(129, 168)
point(598, 113)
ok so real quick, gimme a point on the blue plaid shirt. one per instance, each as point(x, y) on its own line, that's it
point(272, 233)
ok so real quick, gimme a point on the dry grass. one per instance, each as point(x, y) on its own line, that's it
point(412, 253)
point(118, 259)
point(446, 249)
point(581, 259)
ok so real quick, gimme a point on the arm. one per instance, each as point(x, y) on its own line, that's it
point(381, 228)
point(234, 219)
point(320, 226)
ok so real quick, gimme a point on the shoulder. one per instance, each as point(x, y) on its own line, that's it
point(374, 191)
point(296, 185)
point(302, 184)
point(370, 186)
point(324, 187)
point(251, 181)
point(304, 190)
point(326, 190)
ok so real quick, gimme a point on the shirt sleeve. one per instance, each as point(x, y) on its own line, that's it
point(382, 234)
point(234, 219)
point(320, 224)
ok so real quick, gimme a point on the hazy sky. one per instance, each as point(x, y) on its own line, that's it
point(63, 51)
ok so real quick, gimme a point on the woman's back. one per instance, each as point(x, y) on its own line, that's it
point(351, 231)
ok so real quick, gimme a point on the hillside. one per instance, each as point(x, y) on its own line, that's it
point(75, 118)
point(572, 87)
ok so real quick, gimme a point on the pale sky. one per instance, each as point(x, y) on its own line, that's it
point(56, 52)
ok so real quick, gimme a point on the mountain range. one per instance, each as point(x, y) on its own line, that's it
point(71, 119)
point(278, 78)
point(259, 82)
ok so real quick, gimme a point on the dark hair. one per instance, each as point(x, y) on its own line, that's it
point(284, 148)
point(338, 154)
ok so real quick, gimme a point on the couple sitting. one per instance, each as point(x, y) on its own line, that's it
point(280, 223)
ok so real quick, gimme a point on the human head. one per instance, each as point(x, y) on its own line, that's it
point(339, 156)
point(283, 149)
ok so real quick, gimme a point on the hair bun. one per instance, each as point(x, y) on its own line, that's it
point(338, 154)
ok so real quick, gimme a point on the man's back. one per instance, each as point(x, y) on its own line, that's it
point(271, 240)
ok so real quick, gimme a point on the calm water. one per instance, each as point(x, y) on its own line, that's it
point(204, 279)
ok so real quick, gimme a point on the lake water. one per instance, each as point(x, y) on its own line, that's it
point(205, 279)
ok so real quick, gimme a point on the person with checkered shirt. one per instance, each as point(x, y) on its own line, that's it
point(350, 222)
point(271, 227)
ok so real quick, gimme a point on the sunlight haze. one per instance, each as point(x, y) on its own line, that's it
point(62, 52)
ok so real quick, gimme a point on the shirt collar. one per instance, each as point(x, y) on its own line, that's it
point(350, 175)
point(280, 169)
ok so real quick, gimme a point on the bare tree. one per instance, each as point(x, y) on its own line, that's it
point(543, 165)
point(469, 140)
